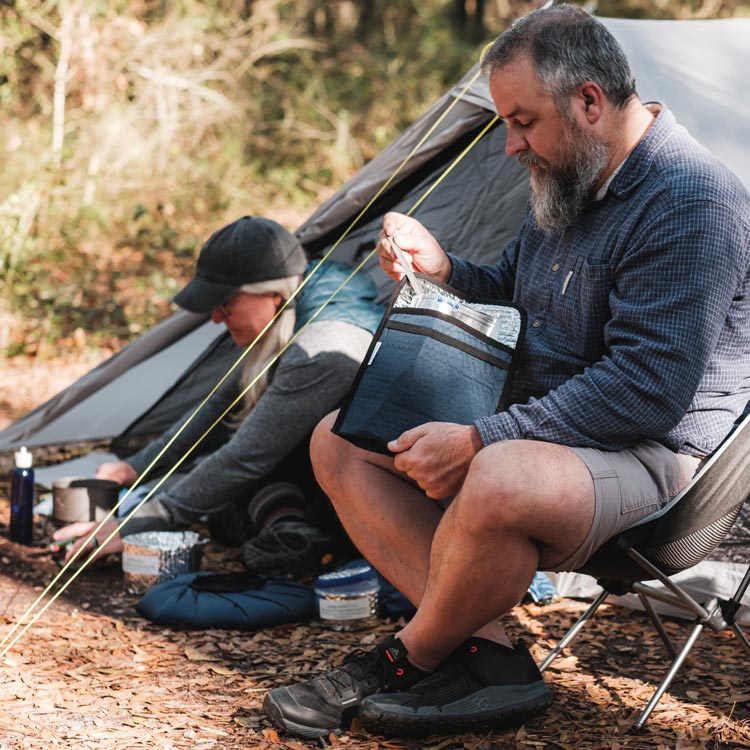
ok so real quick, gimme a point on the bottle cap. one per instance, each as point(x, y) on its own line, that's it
point(23, 458)
point(346, 577)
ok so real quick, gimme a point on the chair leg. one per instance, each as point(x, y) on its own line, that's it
point(658, 624)
point(573, 632)
point(667, 681)
point(741, 635)
point(742, 587)
point(731, 607)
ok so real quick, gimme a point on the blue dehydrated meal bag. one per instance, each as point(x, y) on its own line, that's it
point(435, 358)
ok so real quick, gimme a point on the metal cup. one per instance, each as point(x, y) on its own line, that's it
point(81, 499)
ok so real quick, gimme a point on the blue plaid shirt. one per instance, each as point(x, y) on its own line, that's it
point(638, 314)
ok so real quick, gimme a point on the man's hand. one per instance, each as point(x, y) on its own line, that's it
point(82, 531)
point(117, 471)
point(436, 456)
point(417, 243)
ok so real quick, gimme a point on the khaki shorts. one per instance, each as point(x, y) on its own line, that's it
point(629, 485)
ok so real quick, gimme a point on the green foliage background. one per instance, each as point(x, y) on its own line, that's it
point(131, 130)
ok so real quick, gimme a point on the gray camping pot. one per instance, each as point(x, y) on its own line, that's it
point(81, 499)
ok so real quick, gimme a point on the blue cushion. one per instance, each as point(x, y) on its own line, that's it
point(204, 600)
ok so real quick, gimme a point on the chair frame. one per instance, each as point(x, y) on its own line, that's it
point(716, 613)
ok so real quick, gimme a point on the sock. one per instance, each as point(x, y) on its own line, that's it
point(401, 671)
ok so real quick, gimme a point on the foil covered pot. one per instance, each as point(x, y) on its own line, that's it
point(151, 557)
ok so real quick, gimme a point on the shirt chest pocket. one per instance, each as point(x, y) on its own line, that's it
point(583, 306)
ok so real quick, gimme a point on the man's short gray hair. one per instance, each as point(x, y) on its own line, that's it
point(567, 47)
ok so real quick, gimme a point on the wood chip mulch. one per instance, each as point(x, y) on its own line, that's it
point(91, 673)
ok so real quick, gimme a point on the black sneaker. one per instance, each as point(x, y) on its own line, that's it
point(319, 706)
point(288, 548)
point(481, 684)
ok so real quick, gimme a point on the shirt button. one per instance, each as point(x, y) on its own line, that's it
point(536, 323)
point(556, 267)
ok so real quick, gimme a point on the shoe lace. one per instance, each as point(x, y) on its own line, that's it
point(358, 667)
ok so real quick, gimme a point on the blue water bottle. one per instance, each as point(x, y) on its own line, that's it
point(22, 498)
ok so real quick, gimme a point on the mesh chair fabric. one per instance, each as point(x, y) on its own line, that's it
point(693, 523)
point(691, 549)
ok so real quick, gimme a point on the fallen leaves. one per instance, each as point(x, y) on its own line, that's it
point(598, 694)
point(102, 678)
point(195, 655)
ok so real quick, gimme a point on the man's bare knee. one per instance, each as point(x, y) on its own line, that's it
point(321, 448)
point(494, 492)
point(520, 484)
point(322, 434)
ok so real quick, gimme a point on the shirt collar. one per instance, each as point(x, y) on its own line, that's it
point(602, 191)
point(638, 162)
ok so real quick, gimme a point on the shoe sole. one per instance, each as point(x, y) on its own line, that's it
point(493, 707)
point(301, 730)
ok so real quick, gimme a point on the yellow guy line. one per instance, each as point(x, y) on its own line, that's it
point(247, 350)
point(247, 388)
point(111, 535)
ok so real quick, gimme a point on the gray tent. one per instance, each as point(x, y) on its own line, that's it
point(697, 68)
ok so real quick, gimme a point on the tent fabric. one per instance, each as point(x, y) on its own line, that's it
point(696, 67)
point(703, 581)
point(103, 403)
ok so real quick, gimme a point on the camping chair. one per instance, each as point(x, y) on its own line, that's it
point(674, 538)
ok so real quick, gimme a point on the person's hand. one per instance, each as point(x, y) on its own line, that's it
point(82, 531)
point(436, 456)
point(117, 471)
point(418, 244)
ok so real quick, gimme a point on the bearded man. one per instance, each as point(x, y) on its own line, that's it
point(633, 266)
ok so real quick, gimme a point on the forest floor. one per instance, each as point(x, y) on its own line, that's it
point(91, 673)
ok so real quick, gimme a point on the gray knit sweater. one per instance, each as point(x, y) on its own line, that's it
point(310, 380)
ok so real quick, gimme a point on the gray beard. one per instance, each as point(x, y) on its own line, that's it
point(559, 194)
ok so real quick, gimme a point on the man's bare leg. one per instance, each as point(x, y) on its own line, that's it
point(523, 505)
point(387, 517)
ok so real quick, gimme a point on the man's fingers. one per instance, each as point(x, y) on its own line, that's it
point(405, 440)
point(394, 222)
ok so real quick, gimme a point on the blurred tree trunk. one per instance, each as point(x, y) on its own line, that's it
point(469, 16)
point(321, 20)
point(246, 9)
point(366, 16)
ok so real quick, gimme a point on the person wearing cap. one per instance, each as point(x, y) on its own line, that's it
point(255, 485)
